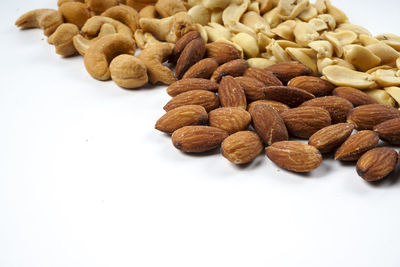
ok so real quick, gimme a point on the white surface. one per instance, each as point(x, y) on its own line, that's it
point(85, 180)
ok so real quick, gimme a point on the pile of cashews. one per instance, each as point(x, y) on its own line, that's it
point(266, 32)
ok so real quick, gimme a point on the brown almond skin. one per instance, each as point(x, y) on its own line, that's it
point(232, 68)
point(264, 76)
point(180, 117)
point(190, 84)
point(356, 145)
point(253, 89)
point(294, 156)
point(278, 106)
point(288, 70)
point(181, 44)
point(389, 131)
point(303, 122)
point(337, 107)
point(377, 163)
point(268, 124)
point(197, 139)
point(222, 52)
point(355, 96)
point(204, 98)
point(231, 93)
point(331, 137)
point(242, 147)
point(291, 96)
point(230, 119)
point(314, 85)
point(365, 117)
point(202, 69)
point(192, 54)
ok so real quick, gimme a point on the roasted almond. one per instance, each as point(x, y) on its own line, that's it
point(313, 85)
point(337, 107)
point(278, 106)
point(268, 124)
point(303, 122)
point(356, 145)
point(192, 54)
point(264, 76)
point(253, 89)
point(204, 98)
point(355, 96)
point(182, 116)
point(291, 96)
point(190, 84)
point(365, 117)
point(377, 163)
point(196, 139)
point(230, 119)
point(294, 156)
point(389, 131)
point(222, 52)
point(242, 147)
point(331, 137)
point(232, 68)
point(288, 70)
point(202, 69)
point(181, 44)
point(231, 93)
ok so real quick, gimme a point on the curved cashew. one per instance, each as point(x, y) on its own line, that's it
point(386, 53)
point(124, 14)
point(75, 12)
point(140, 4)
point(128, 71)
point(200, 14)
point(360, 57)
point(103, 51)
point(231, 17)
point(299, 55)
point(99, 6)
point(144, 40)
point(304, 33)
point(323, 48)
point(82, 44)
point(247, 43)
point(289, 9)
point(148, 12)
point(46, 19)
point(167, 8)
point(342, 76)
point(60, 2)
point(390, 39)
point(62, 39)
point(153, 57)
point(309, 13)
point(382, 97)
point(213, 4)
point(94, 24)
point(386, 78)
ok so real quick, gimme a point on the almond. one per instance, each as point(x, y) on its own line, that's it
point(181, 44)
point(288, 70)
point(331, 137)
point(233, 68)
point(182, 116)
point(303, 122)
point(191, 84)
point(196, 139)
point(337, 107)
point(355, 96)
point(389, 131)
point(367, 116)
point(242, 147)
point(313, 85)
point(268, 124)
point(222, 52)
point(278, 106)
point(356, 145)
point(294, 156)
point(291, 96)
point(192, 54)
point(253, 89)
point(377, 163)
point(202, 69)
point(264, 76)
point(231, 93)
point(230, 119)
point(204, 98)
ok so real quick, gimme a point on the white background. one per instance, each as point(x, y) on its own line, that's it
point(85, 180)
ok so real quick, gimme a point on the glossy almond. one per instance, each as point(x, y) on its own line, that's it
point(377, 163)
point(291, 96)
point(231, 93)
point(242, 147)
point(367, 116)
point(182, 43)
point(230, 119)
point(202, 69)
point(337, 107)
point(268, 124)
point(288, 70)
point(294, 156)
point(278, 106)
point(303, 122)
point(356, 145)
point(313, 85)
point(232, 68)
point(192, 54)
point(253, 89)
point(191, 84)
point(389, 131)
point(222, 52)
point(182, 116)
point(264, 76)
point(355, 96)
point(196, 139)
point(204, 98)
point(331, 137)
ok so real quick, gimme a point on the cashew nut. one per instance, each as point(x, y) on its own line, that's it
point(99, 6)
point(254, 7)
point(124, 14)
point(213, 4)
point(342, 76)
point(247, 43)
point(386, 78)
point(382, 97)
point(148, 12)
point(60, 2)
point(82, 44)
point(200, 14)
point(62, 39)
point(94, 24)
point(144, 40)
point(167, 8)
point(360, 57)
point(46, 19)
point(75, 12)
point(128, 71)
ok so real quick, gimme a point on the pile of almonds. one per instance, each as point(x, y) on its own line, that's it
point(222, 101)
